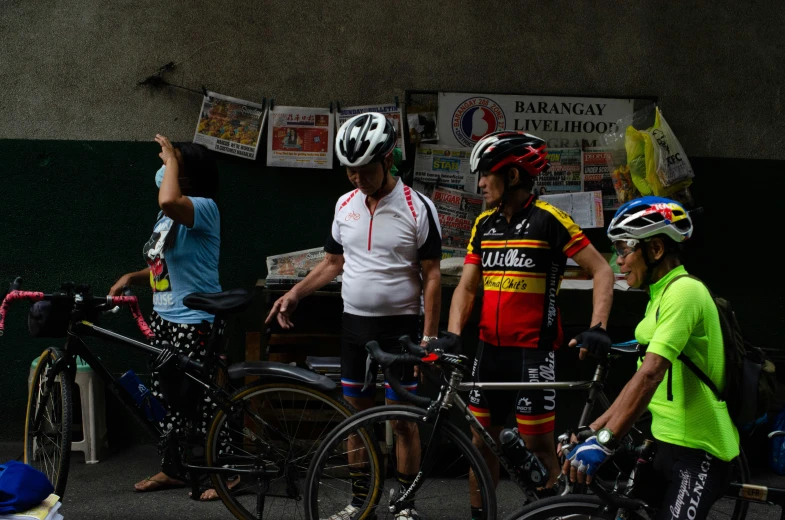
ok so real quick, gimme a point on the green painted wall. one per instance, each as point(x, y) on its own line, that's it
point(81, 211)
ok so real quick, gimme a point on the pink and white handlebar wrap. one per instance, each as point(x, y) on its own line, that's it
point(133, 304)
point(129, 301)
point(13, 296)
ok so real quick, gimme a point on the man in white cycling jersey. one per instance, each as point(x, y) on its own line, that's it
point(386, 240)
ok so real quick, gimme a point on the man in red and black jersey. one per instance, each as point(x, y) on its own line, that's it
point(518, 251)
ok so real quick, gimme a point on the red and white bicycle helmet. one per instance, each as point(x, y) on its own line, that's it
point(505, 148)
point(364, 138)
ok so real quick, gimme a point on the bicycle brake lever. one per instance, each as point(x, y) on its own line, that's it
point(368, 375)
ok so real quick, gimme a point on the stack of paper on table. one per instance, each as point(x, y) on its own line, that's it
point(46, 510)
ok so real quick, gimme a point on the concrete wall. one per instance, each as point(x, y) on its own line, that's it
point(68, 70)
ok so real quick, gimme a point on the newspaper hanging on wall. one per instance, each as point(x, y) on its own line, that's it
point(564, 175)
point(391, 112)
point(597, 170)
point(457, 212)
point(564, 122)
point(300, 137)
point(585, 207)
point(443, 166)
point(230, 125)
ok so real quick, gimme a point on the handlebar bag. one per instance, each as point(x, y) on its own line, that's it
point(47, 319)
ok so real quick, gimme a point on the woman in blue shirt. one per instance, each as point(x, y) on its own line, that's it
point(182, 258)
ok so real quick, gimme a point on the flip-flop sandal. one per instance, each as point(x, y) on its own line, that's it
point(158, 485)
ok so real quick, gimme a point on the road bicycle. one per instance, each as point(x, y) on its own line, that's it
point(620, 502)
point(352, 472)
point(263, 433)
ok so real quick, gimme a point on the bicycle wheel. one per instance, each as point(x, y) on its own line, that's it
point(279, 424)
point(733, 508)
point(344, 481)
point(48, 424)
point(574, 507)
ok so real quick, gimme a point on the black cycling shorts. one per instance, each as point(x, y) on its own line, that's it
point(535, 410)
point(685, 481)
point(386, 330)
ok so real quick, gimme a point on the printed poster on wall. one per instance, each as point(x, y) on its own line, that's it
point(564, 175)
point(391, 112)
point(564, 122)
point(457, 212)
point(299, 137)
point(230, 125)
point(597, 173)
point(444, 166)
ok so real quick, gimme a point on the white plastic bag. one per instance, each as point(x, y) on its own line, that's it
point(671, 163)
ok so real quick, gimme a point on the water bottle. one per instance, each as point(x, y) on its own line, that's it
point(528, 466)
point(152, 408)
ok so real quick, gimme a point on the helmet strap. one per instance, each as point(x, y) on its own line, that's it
point(377, 193)
point(650, 264)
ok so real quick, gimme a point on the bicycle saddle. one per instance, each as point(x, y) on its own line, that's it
point(628, 347)
point(222, 303)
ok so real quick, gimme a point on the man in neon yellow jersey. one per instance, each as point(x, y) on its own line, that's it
point(695, 436)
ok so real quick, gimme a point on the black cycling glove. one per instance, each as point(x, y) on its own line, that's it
point(448, 342)
point(595, 340)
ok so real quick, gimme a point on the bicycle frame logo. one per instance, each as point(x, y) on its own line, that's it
point(352, 216)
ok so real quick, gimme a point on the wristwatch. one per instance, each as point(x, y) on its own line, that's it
point(428, 339)
point(606, 439)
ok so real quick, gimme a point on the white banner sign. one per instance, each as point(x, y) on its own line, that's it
point(564, 122)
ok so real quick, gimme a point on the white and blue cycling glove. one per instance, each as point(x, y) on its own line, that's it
point(589, 456)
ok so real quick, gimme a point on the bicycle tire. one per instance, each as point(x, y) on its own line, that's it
point(289, 460)
point(368, 421)
point(56, 422)
point(573, 507)
point(740, 473)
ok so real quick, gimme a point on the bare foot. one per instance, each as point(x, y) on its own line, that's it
point(157, 482)
point(212, 494)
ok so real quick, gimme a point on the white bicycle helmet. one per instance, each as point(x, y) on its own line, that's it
point(364, 139)
point(649, 216)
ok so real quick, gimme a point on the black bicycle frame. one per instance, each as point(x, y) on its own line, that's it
point(75, 346)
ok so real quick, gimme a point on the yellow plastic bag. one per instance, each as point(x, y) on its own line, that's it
point(658, 164)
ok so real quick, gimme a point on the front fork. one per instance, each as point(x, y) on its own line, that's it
point(61, 364)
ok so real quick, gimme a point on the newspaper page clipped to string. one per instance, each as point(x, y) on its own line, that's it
point(230, 125)
point(564, 174)
point(584, 207)
point(597, 167)
point(457, 212)
point(444, 167)
point(391, 112)
point(299, 137)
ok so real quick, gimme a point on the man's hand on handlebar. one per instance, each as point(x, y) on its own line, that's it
point(594, 341)
point(282, 310)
